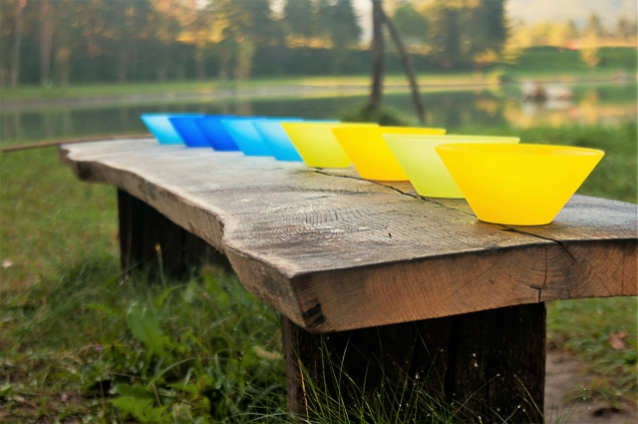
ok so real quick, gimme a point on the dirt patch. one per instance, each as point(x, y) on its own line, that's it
point(563, 374)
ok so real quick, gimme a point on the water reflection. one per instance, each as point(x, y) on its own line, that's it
point(589, 104)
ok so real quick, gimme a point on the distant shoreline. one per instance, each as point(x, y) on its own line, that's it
point(340, 86)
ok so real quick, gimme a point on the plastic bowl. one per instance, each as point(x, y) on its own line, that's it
point(423, 165)
point(525, 184)
point(276, 139)
point(189, 131)
point(246, 136)
point(370, 155)
point(216, 133)
point(161, 128)
point(317, 145)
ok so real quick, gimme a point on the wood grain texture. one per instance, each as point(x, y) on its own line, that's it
point(333, 252)
point(488, 364)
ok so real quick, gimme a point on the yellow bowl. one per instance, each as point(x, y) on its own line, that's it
point(525, 184)
point(369, 154)
point(317, 145)
point(424, 167)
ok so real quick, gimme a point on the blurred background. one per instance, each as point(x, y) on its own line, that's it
point(86, 67)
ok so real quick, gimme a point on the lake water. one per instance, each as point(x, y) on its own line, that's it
point(610, 103)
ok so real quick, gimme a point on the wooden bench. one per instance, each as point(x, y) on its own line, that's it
point(389, 283)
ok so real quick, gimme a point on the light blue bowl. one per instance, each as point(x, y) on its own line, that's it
point(277, 141)
point(160, 126)
point(246, 137)
point(189, 131)
point(217, 135)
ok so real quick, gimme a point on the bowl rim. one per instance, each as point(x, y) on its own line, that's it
point(520, 149)
point(394, 127)
point(331, 124)
point(442, 137)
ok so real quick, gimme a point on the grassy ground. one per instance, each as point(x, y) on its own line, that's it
point(71, 348)
point(491, 77)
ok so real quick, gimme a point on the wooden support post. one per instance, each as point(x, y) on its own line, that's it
point(488, 364)
point(150, 241)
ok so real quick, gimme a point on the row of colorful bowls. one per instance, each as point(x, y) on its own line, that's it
point(504, 182)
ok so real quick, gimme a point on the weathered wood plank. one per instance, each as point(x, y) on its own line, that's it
point(333, 252)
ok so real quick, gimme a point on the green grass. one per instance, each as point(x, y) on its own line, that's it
point(584, 327)
point(70, 349)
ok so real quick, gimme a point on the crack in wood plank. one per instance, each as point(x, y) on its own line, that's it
point(388, 186)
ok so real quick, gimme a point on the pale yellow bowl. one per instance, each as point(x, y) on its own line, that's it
point(525, 184)
point(317, 145)
point(370, 155)
point(423, 165)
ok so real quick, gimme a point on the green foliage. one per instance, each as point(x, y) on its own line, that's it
point(412, 25)
point(463, 32)
point(488, 27)
point(383, 116)
point(205, 349)
point(585, 327)
point(299, 18)
point(137, 403)
point(145, 328)
point(549, 58)
point(344, 28)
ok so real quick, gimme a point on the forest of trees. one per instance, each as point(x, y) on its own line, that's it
point(72, 41)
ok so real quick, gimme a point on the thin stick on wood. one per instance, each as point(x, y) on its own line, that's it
point(73, 140)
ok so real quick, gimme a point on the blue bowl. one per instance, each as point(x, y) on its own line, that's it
point(216, 133)
point(277, 141)
point(189, 131)
point(247, 138)
point(160, 126)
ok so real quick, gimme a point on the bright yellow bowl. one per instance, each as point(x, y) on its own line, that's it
point(424, 167)
point(317, 145)
point(525, 184)
point(369, 154)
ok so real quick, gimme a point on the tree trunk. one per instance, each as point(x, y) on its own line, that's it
point(199, 64)
point(377, 56)
point(17, 41)
point(62, 56)
point(161, 74)
point(407, 66)
point(180, 72)
point(46, 40)
point(223, 66)
point(244, 60)
point(122, 64)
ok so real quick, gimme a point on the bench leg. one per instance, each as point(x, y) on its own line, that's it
point(146, 236)
point(488, 364)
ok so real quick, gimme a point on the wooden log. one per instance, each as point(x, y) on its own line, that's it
point(154, 245)
point(488, 364)
point(325, 248)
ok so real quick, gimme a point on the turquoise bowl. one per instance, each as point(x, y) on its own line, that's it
point(160, 126)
